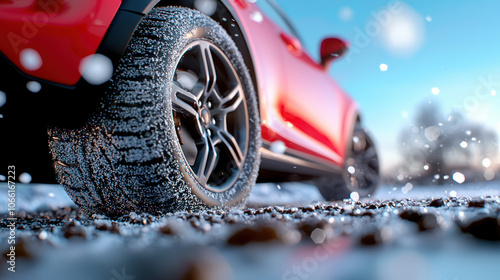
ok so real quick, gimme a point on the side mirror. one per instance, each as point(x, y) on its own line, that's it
point(331, 49)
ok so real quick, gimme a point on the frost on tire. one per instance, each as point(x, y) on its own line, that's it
point(141, 150)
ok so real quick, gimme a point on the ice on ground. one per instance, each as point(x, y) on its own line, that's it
point(283, 194)
point(491, 188)
point(33, 197)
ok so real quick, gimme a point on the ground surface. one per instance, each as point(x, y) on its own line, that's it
point(428, 232)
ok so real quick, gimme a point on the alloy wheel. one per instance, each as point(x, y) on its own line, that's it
point(210, 114)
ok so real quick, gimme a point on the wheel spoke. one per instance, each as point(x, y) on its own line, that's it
point(365, 160)
point(185, 102)
point(370, 154)
point(233, 147)
point(205, 160)
point(231, 102)
point(215, 95)
point(370, 174)
point(198, 91)
point(365, 173)
point(223, 122)
point(208, 67)
point(364, 178)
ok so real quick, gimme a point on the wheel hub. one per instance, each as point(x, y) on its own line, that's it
point(205, 116)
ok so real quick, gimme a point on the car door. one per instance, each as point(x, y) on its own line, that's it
point(300, 104)
point(314, 108)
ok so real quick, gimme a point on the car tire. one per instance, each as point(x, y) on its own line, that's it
point(151, 147)
point(360, 173)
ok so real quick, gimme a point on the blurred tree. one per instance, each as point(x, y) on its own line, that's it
point(434, 145)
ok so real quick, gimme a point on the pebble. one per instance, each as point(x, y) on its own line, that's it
point(253, 234)
point(437, 203)
point(372, 238)
point(477, 203)
point(425, 222)
point(487, 228)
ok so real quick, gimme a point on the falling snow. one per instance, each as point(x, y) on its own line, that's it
point(3, 98)
point(489, 175)
point(351, 169)
point(25, 178)
point(405, 32)
point(463, 144)
point(278, 147)
point(346, 14)
point(354, 196)
point(208, 7)
point(34, 86)
point(318, 235)
point(96, 69)
point(486, 162)
point(432, 133)
point(257, 16)
point(458, 177)
point(30, 59)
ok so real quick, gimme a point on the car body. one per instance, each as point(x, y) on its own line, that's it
point(307, 120)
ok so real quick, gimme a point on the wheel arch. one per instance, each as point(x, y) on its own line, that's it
point(352, 118)
point(139, 8)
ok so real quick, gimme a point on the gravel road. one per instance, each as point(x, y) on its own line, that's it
point(448, 232)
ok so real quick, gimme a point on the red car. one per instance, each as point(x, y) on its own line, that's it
point(174, 105)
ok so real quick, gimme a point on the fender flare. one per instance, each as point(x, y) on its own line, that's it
point(131, 13)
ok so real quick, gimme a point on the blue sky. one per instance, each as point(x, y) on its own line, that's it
point(450, 45)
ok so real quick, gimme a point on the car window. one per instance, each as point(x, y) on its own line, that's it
point(270, 8)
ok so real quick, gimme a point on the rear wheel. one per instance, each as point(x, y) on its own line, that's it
point(360, 173)
point(177, 130)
